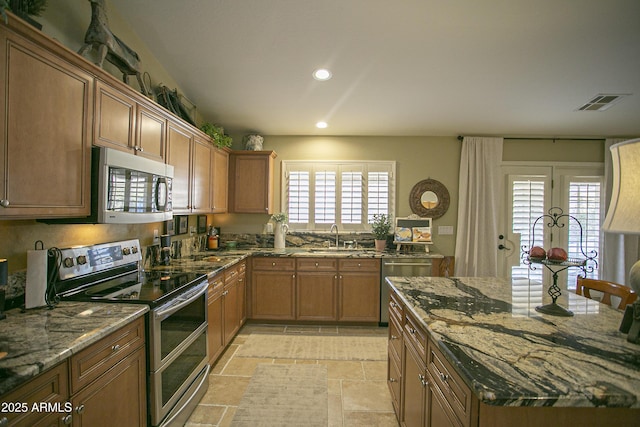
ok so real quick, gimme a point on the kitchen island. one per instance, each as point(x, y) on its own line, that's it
point(517, 365)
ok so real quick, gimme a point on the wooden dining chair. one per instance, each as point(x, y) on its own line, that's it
point(608, 289)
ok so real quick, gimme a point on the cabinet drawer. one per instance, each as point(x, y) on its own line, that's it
point(395, 338)
point(414, 333)
point(96, 359)
point(396, 309)
point(216, 283)
point(455, 391)
point(317, 264)
point(359, 264)
point(232, 273)
point(51, 386)
point(274, 264)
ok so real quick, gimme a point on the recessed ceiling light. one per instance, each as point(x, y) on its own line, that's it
point(321, 125)
point(322, 74)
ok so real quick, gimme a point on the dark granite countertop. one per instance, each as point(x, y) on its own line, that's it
point(38, 339)
point(511, 355)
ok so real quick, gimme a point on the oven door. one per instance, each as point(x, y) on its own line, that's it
point(177, 349)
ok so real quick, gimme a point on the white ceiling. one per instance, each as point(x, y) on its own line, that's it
point(400, 67)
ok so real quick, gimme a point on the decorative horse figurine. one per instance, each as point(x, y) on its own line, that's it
point(110, 47)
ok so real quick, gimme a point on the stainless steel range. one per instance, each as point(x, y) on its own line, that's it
point(177, 363)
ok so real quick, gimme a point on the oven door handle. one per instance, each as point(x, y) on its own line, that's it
point(426, 264)
point(193, 295)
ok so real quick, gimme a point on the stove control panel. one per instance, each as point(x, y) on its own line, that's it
point(78, 261)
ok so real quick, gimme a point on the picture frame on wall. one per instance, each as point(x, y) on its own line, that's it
point(169, 227)
point(202, 224)
point(182, 224)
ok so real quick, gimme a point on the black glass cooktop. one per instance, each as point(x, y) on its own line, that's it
point(151, 287)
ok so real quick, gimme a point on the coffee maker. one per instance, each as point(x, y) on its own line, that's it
point(165, 249)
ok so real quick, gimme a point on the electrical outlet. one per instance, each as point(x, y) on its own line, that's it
point(445, 230)
point(156, 236)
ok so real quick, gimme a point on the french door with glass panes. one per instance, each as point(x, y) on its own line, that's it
point(530, 191)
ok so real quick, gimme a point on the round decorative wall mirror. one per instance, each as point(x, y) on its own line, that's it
point(429, 198)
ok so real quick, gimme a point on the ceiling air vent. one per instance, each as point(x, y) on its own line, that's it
point(602, 101)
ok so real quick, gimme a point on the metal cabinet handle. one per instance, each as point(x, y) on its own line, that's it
point(444, 377)
point(423, 380)
point(413, 331)
point(273, 264)
point(115, 348)
point(4, 421)
point(393, 304)
point(393, 380)
point(66, 420)
point(80, 409)
point(4, 203)
point(317, 264)
point(393, 337)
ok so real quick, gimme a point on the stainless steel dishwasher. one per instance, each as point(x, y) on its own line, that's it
point(407, 266)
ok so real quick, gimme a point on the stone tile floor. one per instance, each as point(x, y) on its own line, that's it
point(358, 391)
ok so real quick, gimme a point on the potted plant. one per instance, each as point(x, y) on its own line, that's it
point(217, 134)
point(27, 8)
point(381, 226)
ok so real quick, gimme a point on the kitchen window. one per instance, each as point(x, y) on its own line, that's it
point(316, 195)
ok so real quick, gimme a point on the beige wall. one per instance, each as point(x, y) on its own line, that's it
point(417, 157)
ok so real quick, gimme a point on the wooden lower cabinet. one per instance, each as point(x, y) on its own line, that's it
point(225, 308)
point(359, 290)
point(103, 385)
point(273, 282)
point(51, 387)
point(413, 387)
point(316, 289)
point(115, 398)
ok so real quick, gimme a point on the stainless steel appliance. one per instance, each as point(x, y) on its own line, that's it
point(177, 363)
point(408, 266)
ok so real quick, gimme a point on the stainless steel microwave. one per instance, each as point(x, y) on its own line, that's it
point(131, 189)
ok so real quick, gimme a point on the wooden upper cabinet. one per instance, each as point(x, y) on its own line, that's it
point(219, 180)
point(151, 133)
point(190, 157)
point(201, 176)
point(115, 118)
point(45, 123)
point(125, 124)
point(179, 155)
point(251, 181)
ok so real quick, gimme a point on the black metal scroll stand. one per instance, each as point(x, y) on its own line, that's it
point(587, 264)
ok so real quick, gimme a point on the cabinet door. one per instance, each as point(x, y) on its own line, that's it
point(219, 180)
point(201, 176)
point(45, 126)
point(438, 411)
point(242, 295)
point(151, 134)
point(272, 295)
point(179, 155)
point(231, 310)
point(316, 297)
point(252, 182)
point(413, 388)
point(359, 297)
point(115, 118)
point(394, 379)
point(117, 398)
point(215, 318)
point(51, 387)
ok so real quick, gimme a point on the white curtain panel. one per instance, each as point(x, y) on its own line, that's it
point(478, 206)
point(619, 251)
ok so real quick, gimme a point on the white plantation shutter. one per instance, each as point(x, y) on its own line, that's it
point(378, 193)
point(528, 204)
point(299, 203)
point(348, 193)
point(351, 198)
point(585, 206)
point(325, 197)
